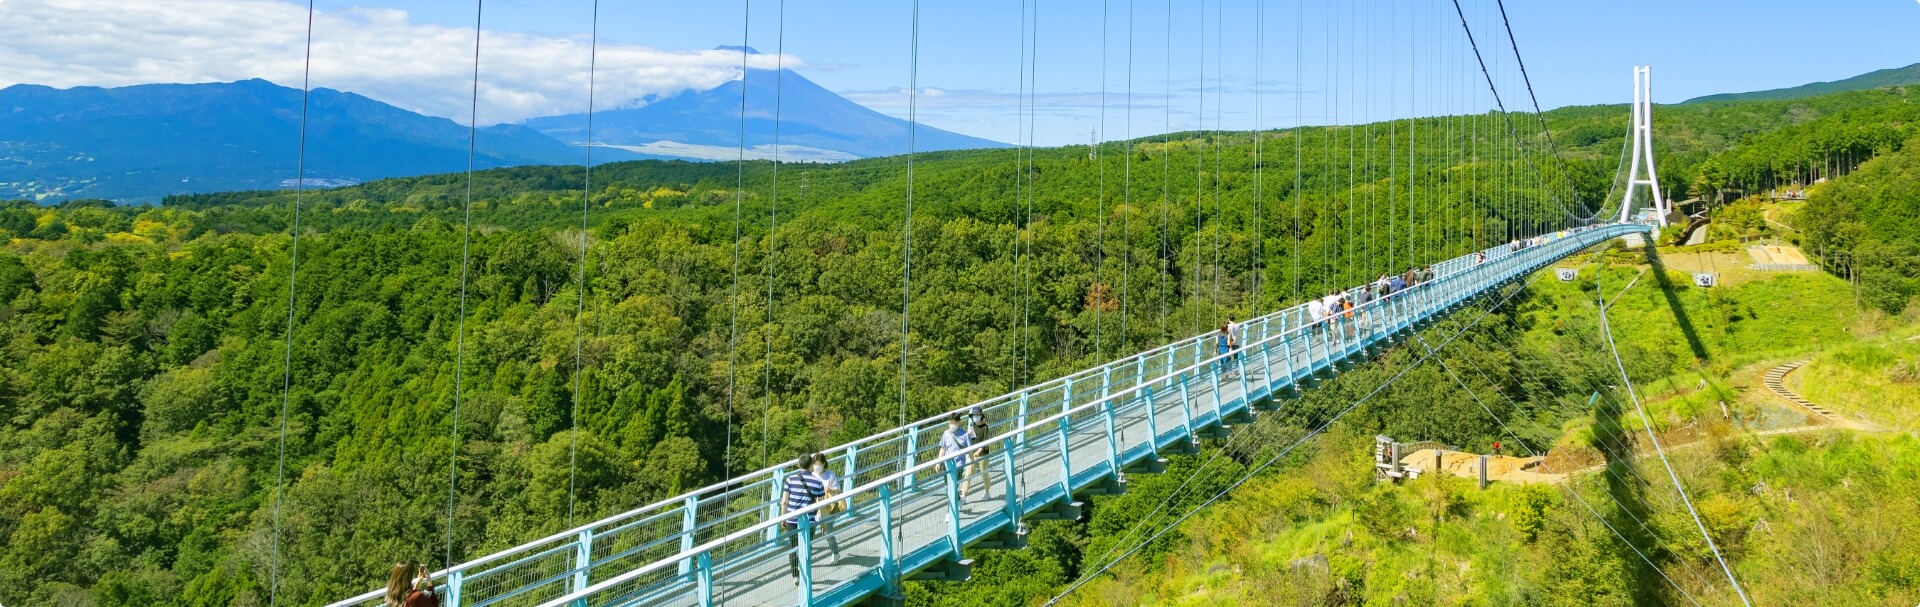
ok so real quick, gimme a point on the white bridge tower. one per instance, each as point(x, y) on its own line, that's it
point(1642, 135)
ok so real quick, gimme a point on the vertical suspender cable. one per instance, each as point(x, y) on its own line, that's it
point(466, 241)
point(739, 193)
point(1199, 167)
point(773, 228)
point(1100, 202)
point(293, 271)
point(906, 259)
point(1126, 214)
point(580, 309)
point(1299, 137)
point(1256, 280)
point(1166, 181)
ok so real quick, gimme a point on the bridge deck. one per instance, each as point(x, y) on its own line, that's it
point(727, 544)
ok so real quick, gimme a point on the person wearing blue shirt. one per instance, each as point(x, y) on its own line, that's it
point(802, 489)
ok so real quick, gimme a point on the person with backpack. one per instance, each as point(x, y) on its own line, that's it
point(801, 489)
point(410, 585)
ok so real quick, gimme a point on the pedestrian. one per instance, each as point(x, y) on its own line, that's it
point(1496, 447)
point(410, 585)
point(1399, 283)
point(954, 444)
point(1223, 343)
point(978, 466)
point(1316, 312)
point(830, 488)
point(802, 489)
point(1332, 302)
point(1239, 331)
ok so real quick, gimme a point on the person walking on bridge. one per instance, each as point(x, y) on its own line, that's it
point(977, 464)
point(802, 489)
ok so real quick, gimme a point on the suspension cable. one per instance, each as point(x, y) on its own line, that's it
point(1607, 330)
point(739, 193)
point(1496, 98)
point(293, 273)
point(906, 259)
point(773, 231)
point(1552, 149)
point(1100, 202)
point(580, 308)
point(466, 241)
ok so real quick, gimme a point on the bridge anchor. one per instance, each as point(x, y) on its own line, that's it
point(1004, 539)
point(1154, 465)
point(948, 570)
point(1065, 510)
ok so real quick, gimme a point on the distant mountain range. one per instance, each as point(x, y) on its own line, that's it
point(813, 124)
point(141, 143)
point(1899, 76)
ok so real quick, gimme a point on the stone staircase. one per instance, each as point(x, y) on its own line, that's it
point(1774, 381)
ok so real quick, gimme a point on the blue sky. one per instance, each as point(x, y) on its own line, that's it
point(1395, 57)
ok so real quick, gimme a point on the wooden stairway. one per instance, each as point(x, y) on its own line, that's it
point(1774, 380)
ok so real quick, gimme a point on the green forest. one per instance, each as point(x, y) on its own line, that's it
point(677, 321)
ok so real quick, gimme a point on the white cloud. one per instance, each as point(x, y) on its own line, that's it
point(380, 53)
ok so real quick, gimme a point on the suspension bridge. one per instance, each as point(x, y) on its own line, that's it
point(904, 514)
point(1052, 443)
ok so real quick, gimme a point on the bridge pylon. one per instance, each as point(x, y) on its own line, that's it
point(1642, 134)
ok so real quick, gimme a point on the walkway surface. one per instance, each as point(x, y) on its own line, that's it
point(911, 515)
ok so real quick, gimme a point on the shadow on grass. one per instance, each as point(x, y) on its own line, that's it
point(1673, 301)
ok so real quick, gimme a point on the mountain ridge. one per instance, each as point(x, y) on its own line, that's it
point(1896, 76)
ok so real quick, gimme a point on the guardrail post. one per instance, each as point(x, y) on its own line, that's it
point(455, 581)
point(1013, 482)
point(1066, 395)
point(848, 480)
point(806, 561)
point(706, 578)
point(953, 505)
point(689, 515)
point(889, 563)
point(582, 559)
point(1113, 437)
point(1021, 422)
point(913, 454)
point(1186, 404)
point(1153, 430)
point(773, 500)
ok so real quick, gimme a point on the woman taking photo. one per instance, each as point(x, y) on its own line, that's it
point(410, 585)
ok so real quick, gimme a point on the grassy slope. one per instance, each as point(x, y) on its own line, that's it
point(1831, 534)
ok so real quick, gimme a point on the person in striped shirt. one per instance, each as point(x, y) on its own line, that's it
point(802, 489)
